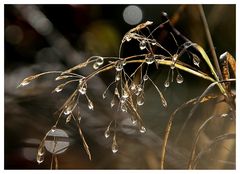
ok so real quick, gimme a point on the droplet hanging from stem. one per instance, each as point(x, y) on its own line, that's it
point(179, 78)
point(142, 45)
point(114, 144)
point(107, 131)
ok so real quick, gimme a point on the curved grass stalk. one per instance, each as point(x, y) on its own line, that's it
point(200, 129)
point(197, 104)
point(218, 139)
point(170, 121)
point(85, 145)
point(28, 79)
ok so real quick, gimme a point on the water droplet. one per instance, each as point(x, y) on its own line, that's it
point(104, 95)
point(140, 100)
point(99, 61)
point(139, 88)
point(174, 58)
point(59, 88)
point(57, 142)
point(114, 145)
point(82, 87)
point(118, 76)
point(154, 42)
point(40, 159)
point(187, 44)
point(53, 128)
point(107, 132)
point(142, 45)
point(133, 87)
point(68, 119)
point(134, 121)
point(116, 91)
point(128, 38)
point(137, 93)
point(124, 62)
point(96, 65)
point(179, 78)
point(90, 104)
point(122, 100)
point(112, 102)
point(123, 107)
point(172, 66)
point(119, 65)
point(142, 129)
point(145, 77)
point(70, 106)
point(125, 94)
point(196, 60)
point(167, 83)
point(68, 110)
point(41, 151)
point(149, 58)
point(224, 115)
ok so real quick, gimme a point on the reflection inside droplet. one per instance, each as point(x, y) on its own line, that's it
point(57, 142)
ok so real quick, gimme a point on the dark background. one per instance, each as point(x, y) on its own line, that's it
point(78, 32)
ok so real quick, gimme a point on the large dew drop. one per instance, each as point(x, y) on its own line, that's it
point(119, 65)
point(99, 61)
point(172, 66)
point(107, 132)
point(179, 78)
point(114, 145)
point(149, 59)
point(53, 128)
point(82, 87)
point(142, 45)
point(128, 38)
point(153, 42)
point(112, 102)
point(125, 94)
point(96, 66)
point(196, 60)
point(140, 100)
point(116, 92)
point(134, 121)
point(118, 76)
point(68, 119)
point(142, 129)
point(104, 95)
point(167, 83)
point(40, 159)
point(123, 108)
point(41, 151)
point(68, 110)
point(59, 88)
point(133, 87)
point(90, 104)
point(145, 77)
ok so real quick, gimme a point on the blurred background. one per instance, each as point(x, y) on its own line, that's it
point(40, 38)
